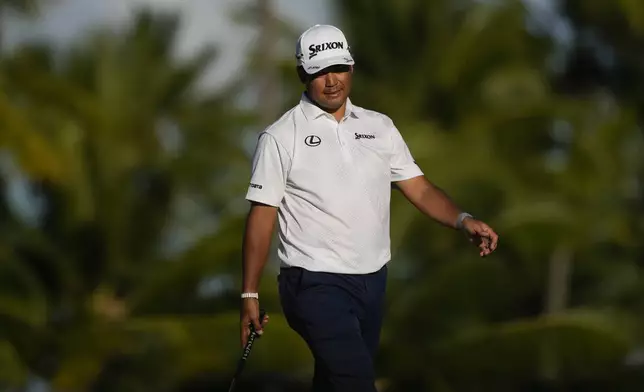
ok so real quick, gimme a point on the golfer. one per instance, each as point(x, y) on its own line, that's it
point(325, 172)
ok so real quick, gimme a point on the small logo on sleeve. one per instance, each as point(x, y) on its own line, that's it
point(364, 136)
point(256, 186)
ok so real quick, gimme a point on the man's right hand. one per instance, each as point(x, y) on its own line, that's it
point(250, 314)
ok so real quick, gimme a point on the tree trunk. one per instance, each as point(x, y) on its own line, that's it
point(556, 301)
point(559, 280)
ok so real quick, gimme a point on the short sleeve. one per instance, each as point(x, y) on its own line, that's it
point(270, 165)
point(403, 166)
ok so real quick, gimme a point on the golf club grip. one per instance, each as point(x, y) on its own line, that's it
point(252, 336)
point(246, 352)
point(242, 360)
point(249, 345)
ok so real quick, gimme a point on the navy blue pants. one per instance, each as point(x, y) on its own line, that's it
point(340, 317)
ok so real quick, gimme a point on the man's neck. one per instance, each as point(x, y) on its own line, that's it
point(338, 114)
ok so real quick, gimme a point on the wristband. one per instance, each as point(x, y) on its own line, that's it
point(461, 217)
point(250, 295)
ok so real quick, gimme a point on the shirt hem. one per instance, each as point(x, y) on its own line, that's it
point(407, 176)
point(339, 266)
point(263, 201)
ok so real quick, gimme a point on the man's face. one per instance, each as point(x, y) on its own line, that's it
point(330, 87)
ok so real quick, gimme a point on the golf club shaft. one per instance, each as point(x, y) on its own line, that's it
point(242, 360)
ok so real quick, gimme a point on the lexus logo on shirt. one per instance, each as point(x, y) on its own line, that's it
point(312, 141)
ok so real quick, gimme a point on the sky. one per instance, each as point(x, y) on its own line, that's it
point(204, 22)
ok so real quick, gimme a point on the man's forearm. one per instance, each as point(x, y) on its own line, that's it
point(254, 259)
point(433, 202)
point(437, 205)
point(257, 242)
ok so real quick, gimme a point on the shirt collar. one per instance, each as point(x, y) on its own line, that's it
point(312, 111)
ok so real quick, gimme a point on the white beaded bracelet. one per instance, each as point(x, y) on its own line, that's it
point(250, 295)
point(461, 217)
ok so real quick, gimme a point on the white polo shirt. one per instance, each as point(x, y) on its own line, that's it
point(332, 184)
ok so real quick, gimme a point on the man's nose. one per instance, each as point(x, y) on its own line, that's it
point(330, 79)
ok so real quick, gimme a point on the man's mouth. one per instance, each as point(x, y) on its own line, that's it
point(333, 94)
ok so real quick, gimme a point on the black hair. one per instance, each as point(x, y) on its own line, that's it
point(301, 73)
point(305, 77)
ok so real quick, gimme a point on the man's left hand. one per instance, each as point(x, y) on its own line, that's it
point(481, 234)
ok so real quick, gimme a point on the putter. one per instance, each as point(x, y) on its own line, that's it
point(246, 352)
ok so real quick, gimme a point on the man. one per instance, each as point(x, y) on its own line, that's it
point(325, 170)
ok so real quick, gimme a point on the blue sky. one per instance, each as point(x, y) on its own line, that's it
point(205, 21)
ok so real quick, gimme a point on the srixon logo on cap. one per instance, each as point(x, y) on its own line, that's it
point(315, 49)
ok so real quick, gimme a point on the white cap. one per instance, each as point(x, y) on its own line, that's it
point(322, 46)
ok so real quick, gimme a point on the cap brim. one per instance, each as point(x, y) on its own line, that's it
point(316, 66)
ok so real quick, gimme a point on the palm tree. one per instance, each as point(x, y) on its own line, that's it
point(588, 204)
point(468, 87)
point(609, 30)
point(127, 143)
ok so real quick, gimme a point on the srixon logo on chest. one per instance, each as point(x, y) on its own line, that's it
point(364, 136)
point(315, 49)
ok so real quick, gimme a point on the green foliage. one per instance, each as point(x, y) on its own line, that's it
point(470, 89)
point(127, 277)
point(115, 140)
point(19, 5)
